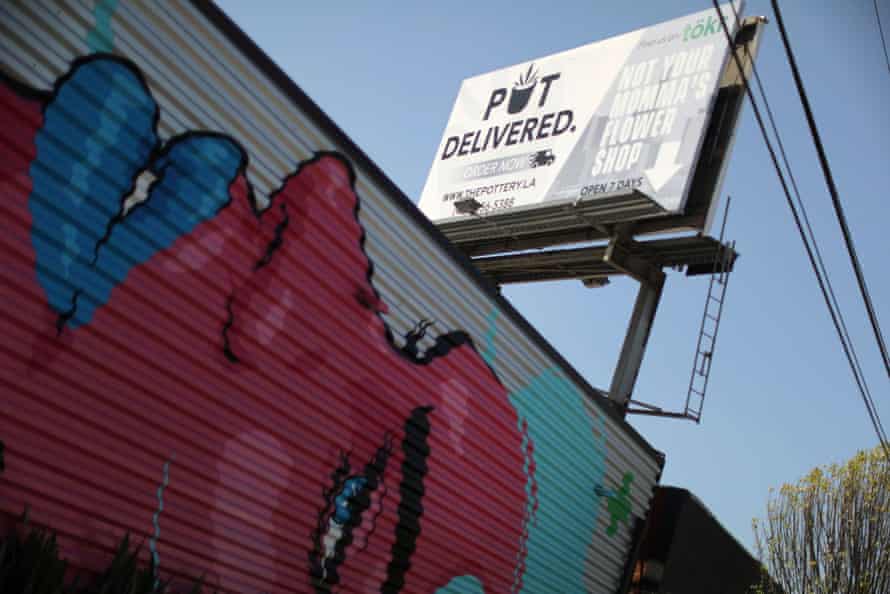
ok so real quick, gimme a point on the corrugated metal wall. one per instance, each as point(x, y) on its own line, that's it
point(216, 337)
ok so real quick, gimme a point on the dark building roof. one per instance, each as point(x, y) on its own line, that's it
point(685, 550)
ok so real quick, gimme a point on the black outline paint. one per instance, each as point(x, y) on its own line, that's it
point(338, 477)
point(277, 240)
point(66, 315)
point(325, 578)
point(414, 336)
point(227, 325)
point(416, 449)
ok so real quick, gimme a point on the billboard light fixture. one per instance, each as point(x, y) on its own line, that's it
point(467, 206)
point(595, 282)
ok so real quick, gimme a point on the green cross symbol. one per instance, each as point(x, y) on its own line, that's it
point(618, 504)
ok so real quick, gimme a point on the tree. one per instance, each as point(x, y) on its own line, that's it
point(830, 532)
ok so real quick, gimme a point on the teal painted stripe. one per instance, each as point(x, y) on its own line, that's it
point(568, 506)
point(101, 36)
point(465, 584)
point(153, 542)
point(491, 353)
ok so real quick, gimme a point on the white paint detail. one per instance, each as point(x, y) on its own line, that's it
point(330, 540)
point(140, 191)
point(665, 166)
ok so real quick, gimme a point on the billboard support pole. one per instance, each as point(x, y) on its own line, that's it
point(637, 336)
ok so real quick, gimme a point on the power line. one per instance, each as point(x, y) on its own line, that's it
point(860, 381)
point(829, 180)
point(881, 30)
point(806, 220)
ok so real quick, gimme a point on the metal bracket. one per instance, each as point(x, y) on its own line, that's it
point(619, 255)
point(636, 338)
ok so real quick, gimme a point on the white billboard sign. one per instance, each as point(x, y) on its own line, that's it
point(623, 114)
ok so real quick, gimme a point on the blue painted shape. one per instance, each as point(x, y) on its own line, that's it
point(351, 488)
point(465, 584)
point(604, 492)
point(98, 132)
point(569, 455)
point(193, 184)
point(97, 138)
point(101, 36)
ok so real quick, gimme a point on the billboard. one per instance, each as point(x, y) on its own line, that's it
point(617, 117)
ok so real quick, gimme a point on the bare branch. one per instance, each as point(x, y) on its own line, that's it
point(829, 532)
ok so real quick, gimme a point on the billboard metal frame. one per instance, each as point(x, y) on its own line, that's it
point(614, 221)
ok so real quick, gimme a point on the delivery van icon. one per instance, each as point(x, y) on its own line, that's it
point(545, 157)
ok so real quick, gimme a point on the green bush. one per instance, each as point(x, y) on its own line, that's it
point(31, 564)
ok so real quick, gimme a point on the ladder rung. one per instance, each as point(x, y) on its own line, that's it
point(701, 366)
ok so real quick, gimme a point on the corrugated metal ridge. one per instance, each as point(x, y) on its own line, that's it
point(362, 161)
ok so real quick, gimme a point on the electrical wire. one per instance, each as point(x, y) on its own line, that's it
point(829, 180)
point(806, 220)
point(881, 31)
point(860, 381)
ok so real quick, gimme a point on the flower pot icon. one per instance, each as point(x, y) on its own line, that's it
point(522, 90)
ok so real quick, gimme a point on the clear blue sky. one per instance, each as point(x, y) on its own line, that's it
point(781, 397)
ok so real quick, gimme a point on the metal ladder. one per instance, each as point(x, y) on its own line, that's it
point(710, 324)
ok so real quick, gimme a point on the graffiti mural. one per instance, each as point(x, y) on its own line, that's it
point(215, 372)
point(149, 288)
